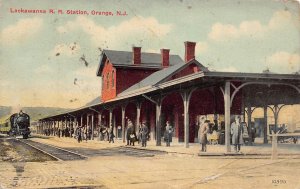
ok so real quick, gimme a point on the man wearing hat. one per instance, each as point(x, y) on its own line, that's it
point(144, 133)
point(168, 133)
point(237, 133)
point(130, 134)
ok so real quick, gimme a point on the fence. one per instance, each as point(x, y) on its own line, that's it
point(275, 136)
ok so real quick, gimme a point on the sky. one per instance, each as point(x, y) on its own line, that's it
point(50, 60)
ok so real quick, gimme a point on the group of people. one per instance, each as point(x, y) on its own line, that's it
point(141, 137)
point(65, 132)
point(106, 133)
point(83, 133)
point(238, 130)
point(143, 134)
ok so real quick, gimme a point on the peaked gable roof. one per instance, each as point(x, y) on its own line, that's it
point(163, 75)
point(124, 59)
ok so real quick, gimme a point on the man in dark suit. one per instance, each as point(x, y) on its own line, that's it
point(129, 133)
point(144, 134)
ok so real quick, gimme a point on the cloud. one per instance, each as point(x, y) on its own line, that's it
point(283, 62)
point(61, 29)
point(64, 49)
point(44, 69)
point(201, 47)
point(88, 85)
point(280, 18)
point(21, 31)
point(221, 32)
point(87, 72)
point(253, 28)
point(152, 51)
point(149, 26)
point(134, 30)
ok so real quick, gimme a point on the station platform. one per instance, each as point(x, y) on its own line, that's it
point(175, 148)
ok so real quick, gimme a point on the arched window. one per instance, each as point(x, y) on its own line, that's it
point(113, 79)
point(103, 81)
point(107, 81)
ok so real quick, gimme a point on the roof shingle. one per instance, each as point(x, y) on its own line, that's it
point(148, 60)
point(161, 75)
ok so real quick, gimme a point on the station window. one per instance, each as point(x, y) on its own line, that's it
point(113, 79)
point(103, 81)
point(107, 81)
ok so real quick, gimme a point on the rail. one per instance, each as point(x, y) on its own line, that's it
point(54, 151)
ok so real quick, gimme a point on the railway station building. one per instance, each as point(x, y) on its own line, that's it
point(159, 87)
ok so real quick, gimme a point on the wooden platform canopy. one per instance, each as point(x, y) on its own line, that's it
point(265, 90)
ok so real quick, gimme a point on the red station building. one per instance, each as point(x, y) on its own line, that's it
point(159, 87)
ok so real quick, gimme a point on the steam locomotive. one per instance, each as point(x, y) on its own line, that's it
point(16, 125)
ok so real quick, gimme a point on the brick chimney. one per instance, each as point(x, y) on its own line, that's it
point(137, 57)
point(165, 58)
point(189, 51)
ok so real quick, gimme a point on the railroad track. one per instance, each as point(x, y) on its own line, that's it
point(53, 151)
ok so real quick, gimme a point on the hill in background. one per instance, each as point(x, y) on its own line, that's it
point(4, 111)
point(35, 113)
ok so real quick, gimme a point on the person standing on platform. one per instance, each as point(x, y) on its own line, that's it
point(79, 134)
point(202, 134)
point(168, 133)
point(102, 132)
point(237, 134)
point(71, 131)
point(253, 132)
point(58, 133)
point(90, 133)
point(128, 132)
point(111, 134)
point(246, 138)
point(84, 133)
point(144, 134)
point(140, 134)
point(201, 122)
point(99, 132)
